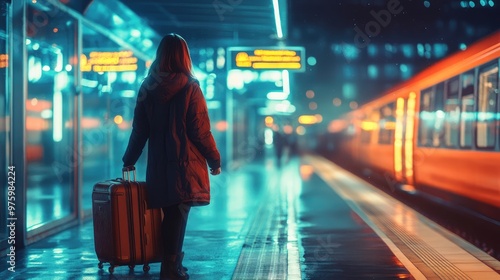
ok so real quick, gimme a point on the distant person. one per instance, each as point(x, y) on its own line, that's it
point(279, 142)
point(292, 144)
point(172, 113)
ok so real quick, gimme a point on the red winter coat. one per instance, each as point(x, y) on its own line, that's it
point(172, 114)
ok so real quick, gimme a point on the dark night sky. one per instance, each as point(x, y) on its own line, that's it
point(313, 22)
point(318, 24)
point(332, 19)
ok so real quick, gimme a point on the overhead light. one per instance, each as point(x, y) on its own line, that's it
point(147, 43)
point(286, 82)
point(277, 95)
point(128, 93)
point(135, 33)
point(89, 83)
point(285, 107)
point(277, 19)
point(117, 20)
point(211, 104)
point(310, 119)
point(57, 133)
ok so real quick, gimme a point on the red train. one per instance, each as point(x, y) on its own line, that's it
point(437, 133)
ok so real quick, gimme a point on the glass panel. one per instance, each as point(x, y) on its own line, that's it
point(50, 115)
point(110, 80)
point(4, 129)
point(452, 110)
point(467, 83)
point(437, 137)
point(426, 120)
point(366, 136)
point(123, 23)
point(387, 124)
point(487, 104)
point(467, 120)
point(467, 117)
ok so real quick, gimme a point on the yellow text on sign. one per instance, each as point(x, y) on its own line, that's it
point(4, 60)
point(109, 62)
point(269, 59)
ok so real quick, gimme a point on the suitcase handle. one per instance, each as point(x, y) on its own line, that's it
point(126, 173)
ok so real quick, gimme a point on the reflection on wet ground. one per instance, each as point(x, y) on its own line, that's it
point(274, 221)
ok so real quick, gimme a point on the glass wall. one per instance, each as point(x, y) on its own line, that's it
point(4, 148)
point(111, 77)
point(75, 95)
point(50, 115)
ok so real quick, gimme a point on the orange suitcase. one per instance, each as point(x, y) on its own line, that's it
point(125, 231)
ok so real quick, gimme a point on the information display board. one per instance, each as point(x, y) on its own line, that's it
point(122, 61)
point(4, 60)
point(266, 58)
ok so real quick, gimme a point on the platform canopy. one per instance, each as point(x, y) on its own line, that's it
point(214, 22)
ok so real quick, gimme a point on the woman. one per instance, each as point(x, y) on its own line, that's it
point(172, 114)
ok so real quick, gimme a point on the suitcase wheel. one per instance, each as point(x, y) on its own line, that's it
point(131, 266)
point(111, 269)
point(146, 268)
point(100, 265)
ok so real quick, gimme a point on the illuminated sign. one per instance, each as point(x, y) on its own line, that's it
point(123, 61)
point(310, 119)
point(267, 58)
point(4, 60)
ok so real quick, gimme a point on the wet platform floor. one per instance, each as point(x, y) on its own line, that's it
point(264, 222)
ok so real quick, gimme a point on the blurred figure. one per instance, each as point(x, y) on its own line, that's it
point(279, 142)
point(292, 145)
point(171, 112)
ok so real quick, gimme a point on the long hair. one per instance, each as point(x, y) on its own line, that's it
point(172, 56)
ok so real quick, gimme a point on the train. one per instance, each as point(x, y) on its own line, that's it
point(436, 134)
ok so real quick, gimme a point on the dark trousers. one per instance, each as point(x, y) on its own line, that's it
point(173, 228)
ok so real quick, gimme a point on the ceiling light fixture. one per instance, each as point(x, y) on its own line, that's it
point(277, 19)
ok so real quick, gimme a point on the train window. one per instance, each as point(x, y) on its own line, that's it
point(468, 116)
point(467, 120)
point(468, 83)
point(366, 136)
point(487, 107)
point(452, 113)
point(368, 125)
point(426, 117)
point(439, 116)
point(387, 124)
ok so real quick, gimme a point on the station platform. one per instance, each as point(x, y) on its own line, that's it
point(308, 219)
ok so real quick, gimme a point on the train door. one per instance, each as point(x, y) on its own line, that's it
point(403, 139)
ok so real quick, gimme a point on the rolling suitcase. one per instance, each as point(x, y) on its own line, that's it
point(125, 231)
